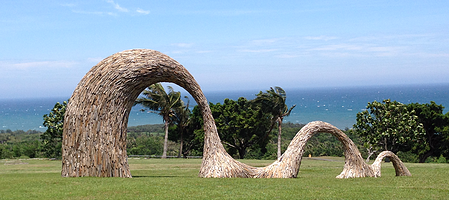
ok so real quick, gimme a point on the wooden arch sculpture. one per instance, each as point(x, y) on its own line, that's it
point(95, 124)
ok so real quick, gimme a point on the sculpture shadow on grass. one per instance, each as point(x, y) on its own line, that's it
point(95, 125)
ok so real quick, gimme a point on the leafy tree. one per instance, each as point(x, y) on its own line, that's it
point(445, 129)
point(273, 101)
point(31, 149)
point(436, 126)
point(289, 130)
point(324, 144)
point(159, 101)
point(4, 137)
point(52, 137)
point(241, 125)
point(194, 134)
point(144, 145)
point(5, 151)
point(17, 151)
point(388, 126)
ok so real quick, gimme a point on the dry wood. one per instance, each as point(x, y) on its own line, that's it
point(95, 126)
point(399, 167)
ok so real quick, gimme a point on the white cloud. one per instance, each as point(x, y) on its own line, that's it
point(430, 55)
point(287, 56)
point(232, 12)
point(36, 64)
point(325, 38)
point(94, 13)
point(113, 12)
point(357, 50)
point(141, 11)
point(406, 37)
point(258, 50)
point(335, 47)
point(265, 41)
point(204, 51)
point(117, 6)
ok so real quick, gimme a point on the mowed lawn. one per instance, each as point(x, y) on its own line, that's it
point(178, 179)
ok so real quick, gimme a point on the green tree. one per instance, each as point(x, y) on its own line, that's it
point(273, 101)
point(194, 134)
point(241, 125)
point(159, 101)
point(445, 129)
point(144, 145)
point(52, 137)
point(388, 126)
point(435, 124)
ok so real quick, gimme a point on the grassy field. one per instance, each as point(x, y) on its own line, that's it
point(177, 179)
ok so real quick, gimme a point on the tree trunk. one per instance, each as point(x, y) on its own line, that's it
point(164, 152)
point(242, 152)
point(182, 143)
point(370, 153)
point(422, 159)
point(279, 137)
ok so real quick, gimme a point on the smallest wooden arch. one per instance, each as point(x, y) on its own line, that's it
point(399, 167)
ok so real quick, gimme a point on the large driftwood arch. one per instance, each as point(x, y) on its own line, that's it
point(94, 139)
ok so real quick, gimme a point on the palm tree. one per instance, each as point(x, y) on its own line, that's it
point(181, 119)
point(164, 104)
point(274, 102)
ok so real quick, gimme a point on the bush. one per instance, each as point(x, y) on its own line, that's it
point(441, 159)
point(5, 151)
point(408, 157)
point(145, 145)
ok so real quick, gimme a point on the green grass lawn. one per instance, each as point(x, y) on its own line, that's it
point(178, 179)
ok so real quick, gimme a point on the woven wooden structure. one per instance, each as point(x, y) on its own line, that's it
point(95, 124)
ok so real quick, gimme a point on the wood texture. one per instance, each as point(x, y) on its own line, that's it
point(95, 126)
point(399, 167)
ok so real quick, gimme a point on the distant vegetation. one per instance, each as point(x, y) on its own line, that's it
point(415, 132)
point(17, 144)
point(148, 140)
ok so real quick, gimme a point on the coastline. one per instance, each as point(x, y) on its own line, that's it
point(338, 105)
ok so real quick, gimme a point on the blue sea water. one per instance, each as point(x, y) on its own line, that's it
point(337, 106)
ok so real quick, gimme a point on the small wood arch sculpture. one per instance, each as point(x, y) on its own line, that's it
point(95, 124)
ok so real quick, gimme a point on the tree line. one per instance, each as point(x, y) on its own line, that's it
point(19, 143)
point(254, 129)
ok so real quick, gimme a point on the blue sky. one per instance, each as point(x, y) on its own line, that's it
point(46, 47)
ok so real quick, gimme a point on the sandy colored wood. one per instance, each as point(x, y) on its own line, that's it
point(95, 124)
point(399, 167)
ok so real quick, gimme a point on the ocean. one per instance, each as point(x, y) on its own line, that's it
point(338, 106)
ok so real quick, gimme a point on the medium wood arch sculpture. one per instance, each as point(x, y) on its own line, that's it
point(95, 124)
